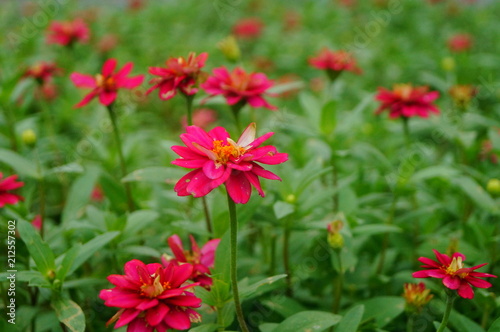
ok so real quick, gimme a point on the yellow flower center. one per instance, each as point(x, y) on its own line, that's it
point(403, 91)
point(154, 289)
point(107, 83)
point(225, 151)
point(456, 264)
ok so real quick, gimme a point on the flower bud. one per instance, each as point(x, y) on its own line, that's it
point(335, 239)
point(493, 187)
point(291, 199)
point(229, 47)
point(448, 64)
point(28, 137)
point(416, 296)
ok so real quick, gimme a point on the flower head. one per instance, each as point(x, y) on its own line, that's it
point(42, 71)
point(462, 94)
point(335, 239)
point(407, 101)
point(202, 259)
point(239, 86)
point(416, 296)
point(334, 62)
point(66, 33)
point(178, 74)
point(6, 185)
point(217, 159)
point(460, 42)
point(248, 28)
point(151, 297)
point(454, 274)
point(106, 84)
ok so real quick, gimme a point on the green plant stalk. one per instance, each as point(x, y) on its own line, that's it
point(338, 284)
point(449, 305)
point(189, 107)
point(335, 184)
point(406, 129)
point(410, 323)
point(220, 325)
point(385, 241)
point(286, 260)
point(43, 201)
point(235, 109)
point(128, 192)
point(11, 124)
point(233, 258)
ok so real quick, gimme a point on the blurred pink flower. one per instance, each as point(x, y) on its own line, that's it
point(460, 42)
point(202, 118)
point(334, 62)
point(66, 33)
point(407, 101)
point(106, 85)
point(178, 74)
point(6, 185)
point(248, 28)
point(97, 194)
point(239, 87)
point(42, 71)
point(151, 297)
point(217, 159)
point(202, 259)
point(37, 222)
point(454, 274)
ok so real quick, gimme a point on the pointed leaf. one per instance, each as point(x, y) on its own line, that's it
point(70, 314)
point(308, 321)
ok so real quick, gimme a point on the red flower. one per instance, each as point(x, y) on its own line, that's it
point(460, 42)
point(407, 101)
point(335, 62)
point(66, 33)
point(201, 260)
point(453, 273)
point(239, 87)
point(416, 296)
point(151, 297)
point(248, 28)
point(217, 159)
point(106, 85)
point(42, 71)
point(7, 184)
point(178, 74)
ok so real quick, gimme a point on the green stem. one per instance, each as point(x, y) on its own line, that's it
point(130, 201)
point(385, 241)
point(335, 184)
point(220, 320)
point(286, 260)
point(447, 311)
point(233, 269)
point(11, 125)
point(338, 284)
point(208, 221)
point(41, 183)
point(410, 323)
point(406, 129)
point(189, 107)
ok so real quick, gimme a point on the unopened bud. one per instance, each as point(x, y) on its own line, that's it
point(28, 137)
point(229, 47)
point(493, 187)
point(448, 64)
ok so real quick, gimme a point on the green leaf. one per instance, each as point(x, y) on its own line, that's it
point(463, 323)
point(439, 171)
point(383, 309)
point(308, 321)
point(79, 195)
point(137, 220)
point(267, 327)
point(375, 229)
point(70, 314)
point(67, 262)
point(155, 174)
point(351, 319)
point(249, 290)
point(89, 248)
point(204, 328)
point(38, 249)
point(142, 251)
point(495, 327)
point(282, 209)
point(328, 120)
point(222, 255)
point(23, 166)
point(475, 192)
point(285, 306)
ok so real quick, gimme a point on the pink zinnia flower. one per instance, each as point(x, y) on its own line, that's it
point(106, 85)
point(42, 71)
point(334, 62)
point(407, 101)
point(66, 33)
point(151, 297)
point(460, 42)
point(217, 159)
point(248, 28)
point(454, 274)
point(6, 185)
point(202, 259)
point(239, 87)
point(178, 74)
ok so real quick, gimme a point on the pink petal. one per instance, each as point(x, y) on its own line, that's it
point(107, 97)
point(126, 317)
point(254, 180)
point(239, 188)
point(185, 301)
point(465, 291)
point(182, 273)
point(147, 304)
point(131, 269)
point(83, 81)
point(452, 282)
point(123, 281)
point(175, 244)
point(212, 170)
point(479, 283)
point(108, 67)
point(260, 171)
point(86, 99)
point(198, 163)
point(139, 325)
point(156, 315)
point(208, 252)
point(178, 320)
point(123, 299)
